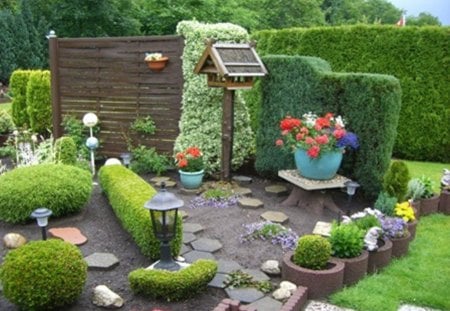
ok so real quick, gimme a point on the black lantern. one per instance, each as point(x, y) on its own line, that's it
point(41, 215)
point(351, 189)
point(164, 214)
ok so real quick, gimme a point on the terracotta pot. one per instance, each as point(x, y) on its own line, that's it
point(157, 65)
point(381, 257)
point(412, 226)
point(400, 246)
point(355, 268)
point(320, 283)
point(429, 206)
point(444, 202)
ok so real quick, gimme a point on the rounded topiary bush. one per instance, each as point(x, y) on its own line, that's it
point(65, 150)
point(43, 275)
point(347, 240)
point(312, 252)
point(64, 189)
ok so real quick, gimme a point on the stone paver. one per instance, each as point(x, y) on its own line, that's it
point(183, 214)
point(218, 281)
point(277, 217)
point(267, 304)
point(185, 249)
point(188, 237)
point(101, 261)
point(159, 179)
point(322, 228)
point(227, 266)
point(195, 255)
point(276, 190)
point(190, 191)
point(168, 183)
point(242, 180)
point(414, 308)
point(257, 275)
point(192, 227)
point(69, 234)
point(314, 305)
point(250, 203)
point(240, 191)
point(245, 295)
point(206, 245)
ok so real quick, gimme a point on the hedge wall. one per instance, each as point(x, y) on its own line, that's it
point(369, 103)
point(18, 86)
point(39, 103)
point(417, 56)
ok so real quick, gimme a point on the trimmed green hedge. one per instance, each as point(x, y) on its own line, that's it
point(18, 87)
point(369, 103)
point(43, 275)
point(39, 104)
point(417, 56)
point(173, 285)
point(64, 189)
point(127, 194)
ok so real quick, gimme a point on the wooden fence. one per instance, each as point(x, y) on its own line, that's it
point(108, 76)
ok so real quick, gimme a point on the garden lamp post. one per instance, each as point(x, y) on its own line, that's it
point(41, 215)
point(163, 209)
point(126, 158)
point(90, 120)
point(351, 189)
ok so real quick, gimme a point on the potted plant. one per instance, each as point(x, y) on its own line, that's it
point(414, 193)
point(396, 230)
point(311, 265)
point(6, 126)
point(317, 142)
point(156, 61)
point(429, 202)
point(407, 213)
point(347, 244)
point(190, 166)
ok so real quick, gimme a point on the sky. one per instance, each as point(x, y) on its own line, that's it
point(438, 8)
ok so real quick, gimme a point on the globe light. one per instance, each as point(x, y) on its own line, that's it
point(90, 119)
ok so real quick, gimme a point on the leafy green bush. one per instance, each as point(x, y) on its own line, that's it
point(427, 184)
point(64, 189)
point(65, 150)
point(173, 285)
point(347, 240)
point(144, 125)
point(312, 252)
point(6, 122)
point(18, 87)
point(127, 194)
point(147, 160)
point(396, 180)
point(39, 103)
point(385, 203)
point(43, 275)
point(367, 222)
point(416, 189)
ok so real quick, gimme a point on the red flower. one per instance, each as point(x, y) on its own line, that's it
point(328, 115)
point(182, 163)
point(279, 142)
point(179, 156)
point(194, 151)
point(323, 139)
point(304, 130)
point(299, 136)
point(309, 140)
point(339, 133)
point(323, 122)
point(289, 123)
point(313, 152)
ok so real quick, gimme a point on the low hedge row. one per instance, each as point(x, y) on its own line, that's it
point(173, 285)
point(127, 194)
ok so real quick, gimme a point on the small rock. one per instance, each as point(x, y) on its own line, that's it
point(104, 297)
point(112, 161)
point(271, 267)
point(281, 294)
point(14, 240)
point(180, 259)
point(288, 286)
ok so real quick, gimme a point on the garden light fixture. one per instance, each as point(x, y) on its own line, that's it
point(41, 215)
point(90, 120)
point(163, 209)
point(126, 158)
point(351, 189)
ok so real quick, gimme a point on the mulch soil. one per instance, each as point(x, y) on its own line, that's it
point(105, 234)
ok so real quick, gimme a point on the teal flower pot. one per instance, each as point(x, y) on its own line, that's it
point(322, 168)
point(191, 180)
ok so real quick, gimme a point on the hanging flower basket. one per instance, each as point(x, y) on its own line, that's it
point(156, 61)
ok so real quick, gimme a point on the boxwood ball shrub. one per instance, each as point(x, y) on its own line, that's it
point(64, 189)
point(347, 240)
point(43, 275)
point(312, 252)
point(173, 285)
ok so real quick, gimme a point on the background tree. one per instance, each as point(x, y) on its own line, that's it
point(424, 19)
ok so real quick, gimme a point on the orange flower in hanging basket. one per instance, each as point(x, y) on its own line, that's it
point(155, 61)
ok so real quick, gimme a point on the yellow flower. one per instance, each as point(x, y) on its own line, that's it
point(404, 210)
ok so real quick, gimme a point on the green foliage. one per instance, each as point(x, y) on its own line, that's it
point(385, 203)
point(144, 125)
point(18, 87)
point(65, 150)
point(204, 130)
point(127, 194)
point(416, 189)
point(43, 275)
point(396, 180)
point(6, 122)
point(61, 188)
point(417, 56)
point(173, 285)
point(39, 103)
point(217, 193)
point(312, 252)
point(297, 85)
point(367, 222)
point(147, 160)
point(427, 184)
point(240, 279)
point(75, 128)
point(347, 240)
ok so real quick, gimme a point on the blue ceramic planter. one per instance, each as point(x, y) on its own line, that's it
point(191, 180)
point(322, 168)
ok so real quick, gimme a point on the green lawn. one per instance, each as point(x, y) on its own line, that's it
point(421, 278)
point(430, 169)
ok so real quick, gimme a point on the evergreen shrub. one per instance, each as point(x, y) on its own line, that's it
point(39, 104)
point(18, 87)
point(396, 180)
point(385, 203)
point(43, 275)
point(6, 122)
point(65, 150)
point(127, 194)
point(63, 189)
point(173, 285)
point(312, 252)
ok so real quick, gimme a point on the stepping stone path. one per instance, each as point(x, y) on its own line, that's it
point(192, 227)
point(227, 266)
point(69, 234)
point(276, 190)
point(195, 255)
point(219, 280)
point(250, 203)
point(257, 275)
point(183, 214)
point(245, 295)
point(185, 249)
point(240, 191)
point(206, 245)
point(101, 261)
point(277, 217)
point(188, 237)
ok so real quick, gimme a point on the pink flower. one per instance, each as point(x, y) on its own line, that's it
point(339, 133)
point(323, 139)
point(285, 132)
point(279, 142)
point(309, 140)
point(313, 152)
point(299, 136)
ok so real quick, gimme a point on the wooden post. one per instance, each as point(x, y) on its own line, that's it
point(227, 133)
point(56, 104)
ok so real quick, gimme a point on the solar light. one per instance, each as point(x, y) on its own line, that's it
point(41, 215)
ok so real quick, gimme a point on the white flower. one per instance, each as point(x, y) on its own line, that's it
point(339, 121)
point(152, 56)
point(34, 138)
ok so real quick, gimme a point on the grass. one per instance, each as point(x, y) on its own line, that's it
point(421, 278)
point(6, 106)
point(430, 169)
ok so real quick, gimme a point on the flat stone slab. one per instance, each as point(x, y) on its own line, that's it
point(312, 184)
point(168, 183)
point(276, 190)
point(257, 275)
point(188, 237)
point(227, 266)
point(218, 280)
point(241, 191)
point(101, 261)
point(250, 203)
point(206, 245)
point(69, 234)
point(184, 249)
point(244, 295)
point(190, 191)
point(159, 179)
point(314, 305)
point(195, 255)
point(266, 304)
point(322, 228)
point(192, 227)
point(242, 180)
point(277, 217)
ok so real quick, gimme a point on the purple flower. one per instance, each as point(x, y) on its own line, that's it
point(265, 230)
point(348, 140)
point(200, 201)
point(393, 227)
